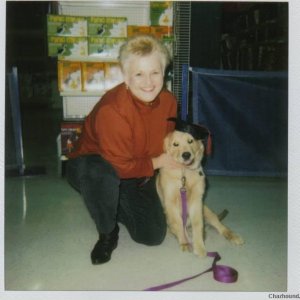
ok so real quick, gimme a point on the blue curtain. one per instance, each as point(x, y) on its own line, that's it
point(246, 113)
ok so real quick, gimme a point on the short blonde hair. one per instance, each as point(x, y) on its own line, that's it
point(143, 45)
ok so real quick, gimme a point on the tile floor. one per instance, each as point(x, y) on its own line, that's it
point(49, 234)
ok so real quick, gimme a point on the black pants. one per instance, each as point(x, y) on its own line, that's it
point(110, 200)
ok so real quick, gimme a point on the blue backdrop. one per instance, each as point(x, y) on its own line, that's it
point(246, 113)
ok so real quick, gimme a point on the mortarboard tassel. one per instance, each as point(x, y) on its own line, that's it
point(209, 145)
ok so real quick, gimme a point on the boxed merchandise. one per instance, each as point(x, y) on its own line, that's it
point(161, 31)
point(66, 25)
point(69, 76)
point(96, 26)
point(70, 132)
point(113, 75)
point(135, 29)
point(105, 47)
point(116, 27)
point(93, 78)
point(107, 26)
point(67, 46)
point(97, 46)
point(161, 13)
point(113, 45)
point(56, 45)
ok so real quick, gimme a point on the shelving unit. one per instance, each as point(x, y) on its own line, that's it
point(256, 37)
point(77, 104)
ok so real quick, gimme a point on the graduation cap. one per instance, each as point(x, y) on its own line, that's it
point(198, 132)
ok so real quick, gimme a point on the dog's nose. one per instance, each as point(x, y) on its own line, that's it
point(186, 155)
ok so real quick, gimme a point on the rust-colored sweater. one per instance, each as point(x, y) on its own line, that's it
point(126, 131)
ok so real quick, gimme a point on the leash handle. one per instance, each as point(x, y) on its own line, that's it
point(221, 273)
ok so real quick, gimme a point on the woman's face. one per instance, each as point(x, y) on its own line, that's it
point(144, 75)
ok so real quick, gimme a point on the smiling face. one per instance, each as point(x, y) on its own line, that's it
point(144, 76)
point(184, 148)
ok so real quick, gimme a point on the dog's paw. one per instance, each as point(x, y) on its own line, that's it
point(200, 251)
point(186, 247)
point(233, 237)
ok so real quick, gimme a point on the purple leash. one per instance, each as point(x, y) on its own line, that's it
point(221, 273)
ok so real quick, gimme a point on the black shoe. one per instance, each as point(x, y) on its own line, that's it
point(104, 247)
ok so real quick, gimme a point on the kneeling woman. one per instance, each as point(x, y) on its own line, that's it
point(114, 162)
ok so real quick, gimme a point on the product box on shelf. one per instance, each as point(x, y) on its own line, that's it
point(105, 47)
point(70, 132)
point(69, 76)
point(96, 26)
point(113, 45)
point(161, 31)
point(93, 76)
point(116, 27)
point(97, 46)
point(62, 25)
point(67, 46)
point(135, 29)
point(161, 13)
point(113, 75)
point(107, 26)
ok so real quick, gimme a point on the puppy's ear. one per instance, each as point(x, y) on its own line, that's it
point(166, 145)
point(201, 145)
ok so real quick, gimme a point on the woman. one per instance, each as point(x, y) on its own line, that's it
point(114, 162)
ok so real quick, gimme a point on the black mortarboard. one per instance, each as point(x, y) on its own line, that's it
point(198, 132)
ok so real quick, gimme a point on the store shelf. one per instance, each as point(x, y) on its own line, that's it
point(78, 107)
point(88, 59)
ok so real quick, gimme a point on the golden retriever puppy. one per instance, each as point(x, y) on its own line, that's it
point(188, 151)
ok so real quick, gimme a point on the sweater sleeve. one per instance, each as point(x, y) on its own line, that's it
point(115, 142)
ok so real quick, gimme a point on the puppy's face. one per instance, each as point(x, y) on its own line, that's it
point(184, 148)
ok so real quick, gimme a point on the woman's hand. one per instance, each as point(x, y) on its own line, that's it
point(165, 161)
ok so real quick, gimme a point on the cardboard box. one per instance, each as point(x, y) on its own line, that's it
point(61, 25)
point(161, 31)
point(113, 75)
point(113, 45)
point(161, 13)
point(69, 76)
point(96, 26)
point(56, 45)
point(135, 30)
point(70, 133)
point(97, 47)
point(107, 26)
point(116, 27)
point(93, 76)
point(105, 47)
point(67, 46)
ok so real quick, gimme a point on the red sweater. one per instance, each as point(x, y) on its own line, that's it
point(126, 131)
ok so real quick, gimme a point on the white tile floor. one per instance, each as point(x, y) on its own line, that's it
point(49, 236)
